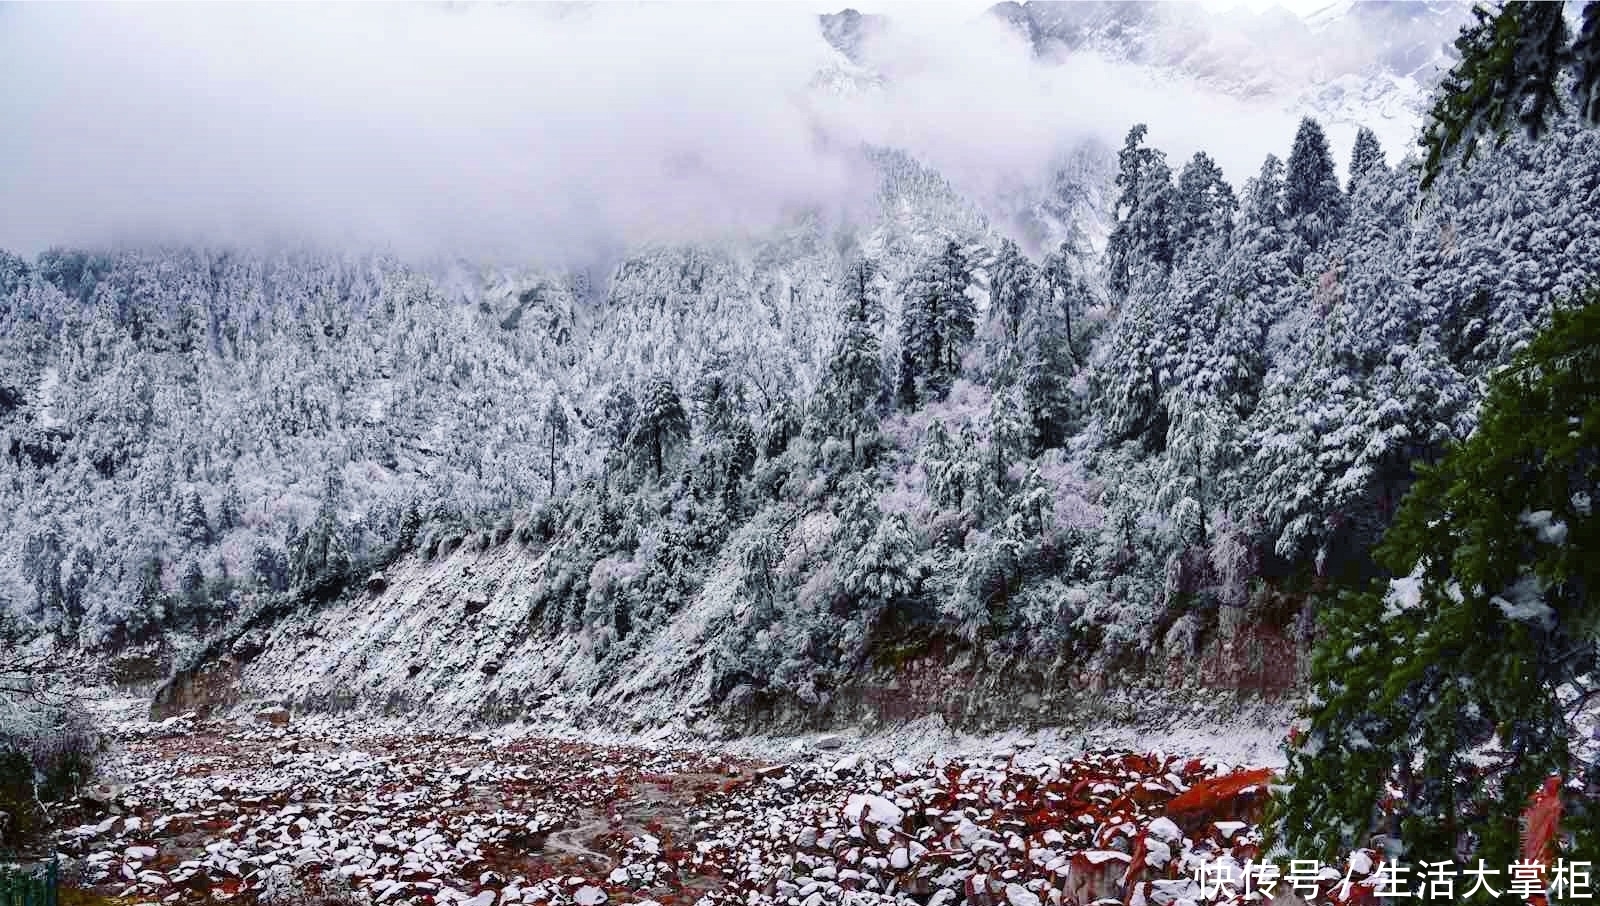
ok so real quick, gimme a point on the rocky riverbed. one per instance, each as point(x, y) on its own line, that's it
point(327, 810)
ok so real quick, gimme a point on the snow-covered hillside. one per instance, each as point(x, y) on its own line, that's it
point(226, 405)
point(780, 557)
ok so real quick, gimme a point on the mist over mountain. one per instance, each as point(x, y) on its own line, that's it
point(550, 132)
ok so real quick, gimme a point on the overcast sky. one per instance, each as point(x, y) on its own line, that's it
point(524, 130)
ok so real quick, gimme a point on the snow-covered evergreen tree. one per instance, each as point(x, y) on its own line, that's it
point(662, 424)
point(557, 434)
point(1013, 290)
point(1205, 205)
point(855, 373)
point(1313, 203)
point(1366, 158)
point(1145, 212)
point(939, 319)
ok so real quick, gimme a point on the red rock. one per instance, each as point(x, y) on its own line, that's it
point(1541, 821)
point(1218, 793)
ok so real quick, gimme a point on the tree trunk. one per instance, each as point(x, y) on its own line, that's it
point(1066, 309)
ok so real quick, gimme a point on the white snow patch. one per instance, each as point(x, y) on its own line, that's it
point(1229, 828)
point(1550, 529)
point(1404, 594)
point(1163, 828)
point(1017, 895)
point(877, 809)
point(1524, 601)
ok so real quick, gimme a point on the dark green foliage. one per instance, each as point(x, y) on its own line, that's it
point(319, 557)
point(1486, 648)
point(618, 412)
point(854, 383)
point(1514, 59)
point(1313, 203)
point(21, 818)
point(39, 885)
point(939, 319)
point(662, 424)
point(230, 512)
point(192, 584)
point(1366, 158)
point(1145, 211)
point(557, 434)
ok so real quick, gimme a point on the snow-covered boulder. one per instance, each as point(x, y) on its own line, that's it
point(875, 809)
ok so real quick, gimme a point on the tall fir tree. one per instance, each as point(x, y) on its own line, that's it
point(1142, 237)
point(1259, 264)
point(1206, 205)
point(855, 372)
point(230, 511)
point(718, 393)
point(1062, 287)
point(1013, 290)
point(557, 434)
point(1366, 159)
point(938, 320)
point(1313, 202)
point(192, 521)
point(319, 557)
point(662, 424)
point(1046, 353)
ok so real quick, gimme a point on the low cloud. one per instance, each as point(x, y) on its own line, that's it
point(528, 131)
point(508, 129)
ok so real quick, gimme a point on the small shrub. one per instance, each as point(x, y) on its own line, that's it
point(63, 761)
point(21, 819)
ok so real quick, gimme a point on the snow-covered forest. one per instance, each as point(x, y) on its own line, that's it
point(903, 439)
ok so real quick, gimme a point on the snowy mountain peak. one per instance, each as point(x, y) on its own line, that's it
point(848, 29)
point(1353, 62)
point(1253, 51)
